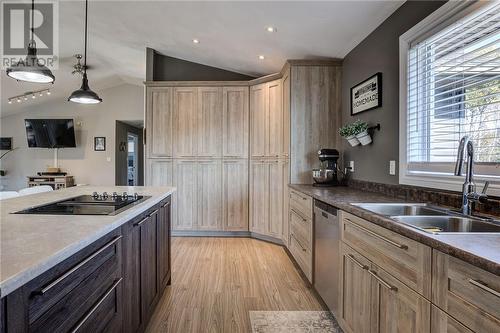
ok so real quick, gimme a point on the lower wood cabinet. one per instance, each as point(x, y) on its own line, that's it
point(112, 285)
point(267, 191)
point(372, 300)
point(441, 322)
point(235, 195)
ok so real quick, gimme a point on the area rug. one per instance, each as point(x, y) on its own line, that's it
point(293, 322)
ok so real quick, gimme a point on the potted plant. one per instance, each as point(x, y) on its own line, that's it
point(360, 130)
point(347, 132)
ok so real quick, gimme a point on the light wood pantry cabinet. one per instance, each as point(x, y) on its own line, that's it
point(159, 172)
point(186, 176)
point(235, 118)
point(209, 122)
point(266, 197)
point(185, 122)
point(235, 195)
point(266, 120)
point(159, 122)
point(209, 192)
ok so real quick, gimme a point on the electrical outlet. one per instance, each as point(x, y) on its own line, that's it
point(108, 159)
point(392, 168)
point(351, 165)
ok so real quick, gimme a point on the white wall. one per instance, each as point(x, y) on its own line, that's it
point(124, 102)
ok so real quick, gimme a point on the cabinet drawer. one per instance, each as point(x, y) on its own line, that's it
point(467, 293)
point(302, 256)
point(301, 203)
point(442, 323)
point(105, 314)
point(404, 258)
point(56, 302)
point(301, 228)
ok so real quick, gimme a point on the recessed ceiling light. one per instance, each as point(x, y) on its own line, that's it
point(196, 41)
point(261, 57)
point(271, 29)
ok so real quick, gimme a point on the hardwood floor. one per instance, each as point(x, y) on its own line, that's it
point(217, 281)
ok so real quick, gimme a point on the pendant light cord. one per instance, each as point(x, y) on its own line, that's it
point(85, 58)
point(32, 22)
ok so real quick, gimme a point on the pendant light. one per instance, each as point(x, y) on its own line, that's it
point(85, 95)
point(30, 70)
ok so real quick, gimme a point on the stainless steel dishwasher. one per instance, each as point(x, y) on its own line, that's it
point(326, 254)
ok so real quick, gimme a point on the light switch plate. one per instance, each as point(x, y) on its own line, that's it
point(392, 168)
point(351, 165)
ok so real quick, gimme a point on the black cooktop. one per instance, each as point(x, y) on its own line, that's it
point(96, 204)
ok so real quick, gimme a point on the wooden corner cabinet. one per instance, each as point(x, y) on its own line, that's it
point(112, 285)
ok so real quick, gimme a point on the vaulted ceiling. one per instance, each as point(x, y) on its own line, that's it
point(232, 35)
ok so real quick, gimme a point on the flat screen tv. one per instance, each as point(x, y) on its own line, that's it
point(50, 133)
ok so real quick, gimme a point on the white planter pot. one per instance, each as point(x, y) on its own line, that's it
point(352, 140)
point(364, 138)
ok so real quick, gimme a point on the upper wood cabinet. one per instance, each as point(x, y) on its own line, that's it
point(209, 122)
point(286, 113)
point(235, 195)
point(266, 120)
point(185, 121)
point(209, 191)
point(235, 105)
point(159, 122)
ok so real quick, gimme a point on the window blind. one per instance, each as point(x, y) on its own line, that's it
point(454, 90)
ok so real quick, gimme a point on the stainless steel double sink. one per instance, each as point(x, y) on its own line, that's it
point(431, 219)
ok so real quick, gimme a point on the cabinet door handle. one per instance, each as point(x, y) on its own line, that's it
point(153, 213)
point(165, 205)
point(141, 222)
point(95, 307)
point(484, 287)
point(51, 285)
point(374, 234)
point(355, 261)
point(303, 249)
point(381, 281)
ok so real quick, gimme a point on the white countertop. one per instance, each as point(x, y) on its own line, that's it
point(32, 244)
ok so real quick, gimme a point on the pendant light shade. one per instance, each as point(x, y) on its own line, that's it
point(30, 70)
point(85, 95)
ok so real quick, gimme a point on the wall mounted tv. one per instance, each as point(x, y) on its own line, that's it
point(50, 133)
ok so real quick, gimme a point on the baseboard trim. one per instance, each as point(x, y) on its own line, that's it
point(266, 238)
point(208, 233)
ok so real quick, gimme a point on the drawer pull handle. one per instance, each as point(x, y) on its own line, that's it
point(96, 306)
point(166, 204)
point(45, 289)
point(354, 260)
point(400, 246)
point(141, 222)
point(153, 213)
point(484, 287)
point(298, 215)
point(381, 281)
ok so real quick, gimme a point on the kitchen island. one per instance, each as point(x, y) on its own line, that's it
point(83, 272)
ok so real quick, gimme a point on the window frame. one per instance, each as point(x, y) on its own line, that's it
point(447, 14)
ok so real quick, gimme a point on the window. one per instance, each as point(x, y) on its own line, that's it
point(449, 88)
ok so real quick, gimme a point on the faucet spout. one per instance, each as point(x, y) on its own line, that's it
point(460, 155)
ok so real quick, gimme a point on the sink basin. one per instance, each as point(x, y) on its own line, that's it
point(448, 224)
point(398, 209)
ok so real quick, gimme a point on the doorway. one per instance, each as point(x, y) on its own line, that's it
point(132, 159)
point(129, 159)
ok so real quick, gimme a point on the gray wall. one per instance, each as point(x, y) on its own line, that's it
point(167, 68)
point(379, 52)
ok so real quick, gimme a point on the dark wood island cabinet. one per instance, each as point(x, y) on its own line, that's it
point(112, 285)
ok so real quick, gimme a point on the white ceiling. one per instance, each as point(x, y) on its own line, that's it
point(232, 34)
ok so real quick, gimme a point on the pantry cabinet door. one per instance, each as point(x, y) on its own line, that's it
point(355, 295)
point(186, 203)
point(235, 122)
point(209, 195)
point(185, 121)
point(159, 122)
point(159, 172)
point(259, 197)
point(395, 306)
point(286, 114)
point(209, 122)
point(275, 119)
point(235, 195)
point(276, 199)
point(259, 128)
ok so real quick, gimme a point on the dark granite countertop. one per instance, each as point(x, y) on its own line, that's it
point(481, 250)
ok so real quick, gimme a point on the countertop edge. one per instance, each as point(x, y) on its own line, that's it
point(16, 281)
point(385, 222)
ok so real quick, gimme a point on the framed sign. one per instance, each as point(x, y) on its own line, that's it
point(100, 143)
point(367, 95)
point(5, 143)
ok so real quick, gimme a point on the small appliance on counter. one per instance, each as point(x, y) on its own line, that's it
point(326, 175)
